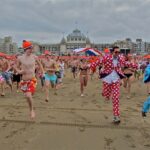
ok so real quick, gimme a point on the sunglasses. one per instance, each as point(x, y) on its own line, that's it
point(116, 52)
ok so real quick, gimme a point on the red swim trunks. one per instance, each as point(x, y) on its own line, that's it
point(28, 86)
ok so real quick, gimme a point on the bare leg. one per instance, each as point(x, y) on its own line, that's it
point(9, 82)
point(85, 80)
point(74, 75)
point(30, 103)
point(81, 85)
point(55, 86)
point(2, 87)
point(47, 90)
point(17, 86)
point(125, 83)
point(128, 88)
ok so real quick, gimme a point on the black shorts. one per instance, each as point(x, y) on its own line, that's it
point(16, 78)
point(128, 75)
point(74, 69)
point(58, 74)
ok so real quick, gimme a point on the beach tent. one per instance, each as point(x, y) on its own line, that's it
point(88, 51)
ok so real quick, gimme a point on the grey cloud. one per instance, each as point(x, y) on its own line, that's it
point(45, 20)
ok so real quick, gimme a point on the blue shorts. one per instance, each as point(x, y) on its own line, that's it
point(7, 76)
point(51, 78)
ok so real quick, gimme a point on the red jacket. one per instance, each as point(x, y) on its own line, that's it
point(107, 65)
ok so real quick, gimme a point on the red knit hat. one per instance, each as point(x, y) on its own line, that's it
point(26, 44)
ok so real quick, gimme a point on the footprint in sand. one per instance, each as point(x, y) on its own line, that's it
point(81, 129)
point(71, 100)
point(94, 101)
point(147, 145)
point(51, 117)
point(108, 144)
point(14, 132)
point(105, 117)
point(84, 103)
point(130, 140)
point(5, 125)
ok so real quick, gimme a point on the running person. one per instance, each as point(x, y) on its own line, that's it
point(128, 72)
point(74, 67)
point(111, 75)
point(84, 70)
point(49, 65)
point(26, 67)
point(5, 66)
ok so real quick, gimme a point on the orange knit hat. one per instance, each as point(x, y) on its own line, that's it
point(26, 44)
point(106, 50)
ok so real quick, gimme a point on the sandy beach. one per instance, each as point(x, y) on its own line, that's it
point(71, 122)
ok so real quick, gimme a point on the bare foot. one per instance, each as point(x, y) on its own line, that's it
point(82, 95)
point(2, 94)
point(32, 114)
point(128, 97)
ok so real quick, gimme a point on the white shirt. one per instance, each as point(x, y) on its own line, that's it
point(113, 77)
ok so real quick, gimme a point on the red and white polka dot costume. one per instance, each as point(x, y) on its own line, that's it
point(111, 74)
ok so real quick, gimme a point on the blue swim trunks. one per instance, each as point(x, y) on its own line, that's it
point(51, 78)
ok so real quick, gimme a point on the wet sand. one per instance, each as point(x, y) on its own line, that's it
point(71, 122)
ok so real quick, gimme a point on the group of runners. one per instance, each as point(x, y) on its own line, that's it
point(114, 70)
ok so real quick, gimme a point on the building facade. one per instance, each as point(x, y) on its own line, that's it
point(8, 46)
point(76, 39)
point(66, 46)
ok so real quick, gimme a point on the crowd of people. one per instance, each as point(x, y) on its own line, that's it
point(113, 68)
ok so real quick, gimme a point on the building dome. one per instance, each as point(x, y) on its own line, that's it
point(76, 35)
point(63, 41)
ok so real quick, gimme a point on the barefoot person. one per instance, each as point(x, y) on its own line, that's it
point(74, 67)
point(49, 65)
point(128, 72)
point(26, 67)
point(5, 66)
point(84, 69)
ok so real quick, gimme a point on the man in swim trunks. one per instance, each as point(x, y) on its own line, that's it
point(49, 65)
point(26, 66)
point(5, 67)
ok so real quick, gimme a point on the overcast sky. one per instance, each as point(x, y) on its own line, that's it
point(45, 21)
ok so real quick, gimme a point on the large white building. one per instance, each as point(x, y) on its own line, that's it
point(74, 40)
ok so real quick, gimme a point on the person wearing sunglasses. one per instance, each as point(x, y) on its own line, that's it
point(111, 75)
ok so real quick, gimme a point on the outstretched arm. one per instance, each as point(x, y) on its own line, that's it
point(40, 65)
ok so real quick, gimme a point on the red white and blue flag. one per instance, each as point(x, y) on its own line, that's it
point(89, 51)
